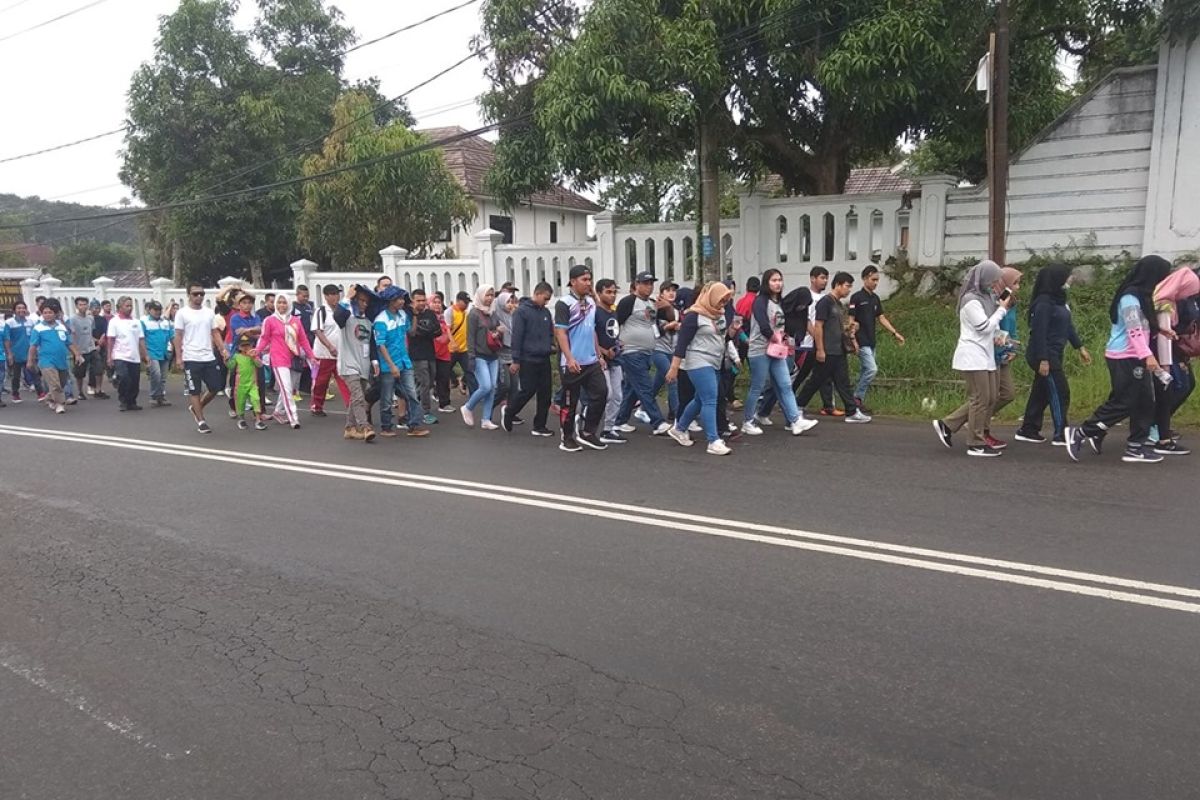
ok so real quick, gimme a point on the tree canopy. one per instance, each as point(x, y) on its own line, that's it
point(348, 216)
point(801, 88)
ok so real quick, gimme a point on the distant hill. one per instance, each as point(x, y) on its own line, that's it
point(35, 209)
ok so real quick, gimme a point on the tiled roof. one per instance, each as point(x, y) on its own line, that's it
point(41, 255)
point(129, 279)
point(470, 159)
point(865, 180)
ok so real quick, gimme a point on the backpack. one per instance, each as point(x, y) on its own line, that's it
point(1188, 326)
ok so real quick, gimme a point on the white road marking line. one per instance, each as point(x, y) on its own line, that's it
point(570, 505)
point(666, 516)
point(63, 690)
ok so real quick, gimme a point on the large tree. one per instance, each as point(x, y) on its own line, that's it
point(407, 200)
point(219, 109)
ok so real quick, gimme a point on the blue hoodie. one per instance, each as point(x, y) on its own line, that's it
point(532, 332)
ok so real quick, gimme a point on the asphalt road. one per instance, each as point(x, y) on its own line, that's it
point(480, 615)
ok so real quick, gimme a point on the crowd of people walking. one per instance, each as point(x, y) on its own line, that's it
point(396, 357)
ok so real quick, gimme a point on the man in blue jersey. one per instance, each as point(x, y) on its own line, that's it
point(580, 370)
point(16, 335)
point(158, 333)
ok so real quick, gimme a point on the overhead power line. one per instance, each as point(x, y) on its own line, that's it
point(52, 20)
point(44, 150)
point(409, 27)
point(254, 190)
point(13, 5)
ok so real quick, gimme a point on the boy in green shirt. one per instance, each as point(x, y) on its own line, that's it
point(245, 363)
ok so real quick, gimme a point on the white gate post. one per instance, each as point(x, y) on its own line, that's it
point(606, 241)
point(301, 270)
point(488, 240)
point(930, 248)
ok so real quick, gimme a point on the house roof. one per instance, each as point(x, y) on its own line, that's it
point(469, 160)
point(864, 180)
point(129, 278)
point(41, 255)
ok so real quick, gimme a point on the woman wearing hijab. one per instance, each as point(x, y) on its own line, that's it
point(283, 338)
point(979, 315)
point(1006, 353)
point(700, 350)
point(502, 310)
point(483, 348)
point(766, 327)
point(1177, 287)
point(1131, 366)
point(1050, 329)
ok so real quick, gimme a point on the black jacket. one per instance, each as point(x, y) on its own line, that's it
point(1050, 329)
point(533, 332)
point(425, 328)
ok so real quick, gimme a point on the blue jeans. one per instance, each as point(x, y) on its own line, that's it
point(486, 372)
point(158, 372)
point(764, 369)
point(638, 386)
point(867, 370)
point(407, 383)
point(662, 363)
point(707, 383)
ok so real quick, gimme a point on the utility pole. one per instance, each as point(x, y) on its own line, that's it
point(710, 204)
point(998, 138)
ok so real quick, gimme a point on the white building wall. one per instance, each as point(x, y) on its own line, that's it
point(1084, 182)
point(531, 225)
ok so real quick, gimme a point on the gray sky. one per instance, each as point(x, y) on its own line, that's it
point(68, 80)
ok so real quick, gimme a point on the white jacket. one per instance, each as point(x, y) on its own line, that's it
point(975, 351)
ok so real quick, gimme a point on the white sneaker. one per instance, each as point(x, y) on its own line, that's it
point(764, 422)
point(858, 416)
point(718, 448)
point(695, 427)
point(488, 425)
point(626, 428)
point(467, 416)
point(59, 410)
point(801, 425)
point(750, 428)
point(680, 436)
point(662, 428)
point(642, 416)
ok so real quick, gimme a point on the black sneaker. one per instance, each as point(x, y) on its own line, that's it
point(505, 420)
point(569, 446)
point(243, 425)
point(202, 427)
point(1033, 437)
point(517, 420)
point(1170, 448)
point(943, 432)
point(260, 426)
point(1136, 454)
point(135, 407)
point(540, 432)
point(1075, 439)
point(983, 451)
point(612, 437)
point(591, 440)
point(447, 409)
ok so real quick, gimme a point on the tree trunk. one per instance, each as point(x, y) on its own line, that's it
point(176, 262)
point(710, 206)
point(256, 274)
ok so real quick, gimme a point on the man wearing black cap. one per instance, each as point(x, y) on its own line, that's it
point(575, 332)
point(637, 315)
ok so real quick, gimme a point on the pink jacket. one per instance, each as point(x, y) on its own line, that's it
point(274, 341)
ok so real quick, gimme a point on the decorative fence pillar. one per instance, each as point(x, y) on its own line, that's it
point(755, 257)
point(929, 249)
point(161, 286)
point(489, 271)
point(606, 239)
point(301, 270)
point(29, 288)
point(392, 258)
point(102, 285)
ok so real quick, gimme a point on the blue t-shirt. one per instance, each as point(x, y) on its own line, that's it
point(51, 342)
point(577, 316)
point(17, 332)
point(158, 333)
point(237, 324)
point(1008, 324)
point(391, 331)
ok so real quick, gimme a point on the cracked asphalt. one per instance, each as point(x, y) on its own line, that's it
point(178, 628)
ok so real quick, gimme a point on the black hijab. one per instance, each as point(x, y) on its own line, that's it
point(1050, 285)
point(1146, 274)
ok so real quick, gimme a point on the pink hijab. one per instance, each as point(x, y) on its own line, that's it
point(1179, 285)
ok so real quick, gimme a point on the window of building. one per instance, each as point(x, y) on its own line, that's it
point(553, 233)
point(502, 225)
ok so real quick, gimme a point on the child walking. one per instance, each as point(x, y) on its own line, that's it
point(244, 364)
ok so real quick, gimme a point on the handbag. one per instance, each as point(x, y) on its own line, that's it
point(1188, 341)
point(778, 347)
point(494, 342)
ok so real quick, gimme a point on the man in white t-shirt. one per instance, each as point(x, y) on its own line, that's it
point(327, 333)
point(197, 343)
point(126, 353)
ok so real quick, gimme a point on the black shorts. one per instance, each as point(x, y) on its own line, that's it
point(198, 375)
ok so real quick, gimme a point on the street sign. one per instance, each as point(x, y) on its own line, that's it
point(706, 247)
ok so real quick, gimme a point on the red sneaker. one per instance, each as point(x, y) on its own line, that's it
point(994, 443)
